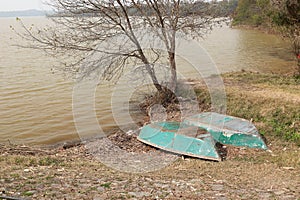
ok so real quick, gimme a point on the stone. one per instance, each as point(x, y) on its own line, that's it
point(139, 194)
point(217, 187)
point(279, 192)
point(100, 189)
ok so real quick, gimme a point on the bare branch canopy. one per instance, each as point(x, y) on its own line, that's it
point(80, 26)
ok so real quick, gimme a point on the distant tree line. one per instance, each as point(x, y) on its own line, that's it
point(223, 8)
point(22, 13)
point(250, 12)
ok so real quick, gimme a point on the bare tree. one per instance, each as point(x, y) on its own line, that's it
point(81, 25)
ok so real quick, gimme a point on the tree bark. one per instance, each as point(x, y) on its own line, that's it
point(151, 72)
point(298, 64)
point(173, 80)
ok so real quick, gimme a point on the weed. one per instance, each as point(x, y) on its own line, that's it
point(48, 161)
point(28, 193)
point(49, 177)
point(15, 176)
point(20, 160)
point(106, 185)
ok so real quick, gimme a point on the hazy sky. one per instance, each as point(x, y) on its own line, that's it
point(10, 5)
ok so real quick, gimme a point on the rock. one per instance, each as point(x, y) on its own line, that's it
point(100, 189)
point(139, 194)
point(2, 190)
point(265, 195)
point(161, 186)
point(61, 170)
point(279, 192)
point(130, 132)
point(288, 168)
point(55, 186)
point(217, 187)
point(148, 179)
point(287, 197)
point(221, 198)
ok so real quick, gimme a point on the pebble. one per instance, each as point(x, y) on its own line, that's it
point(265, 195)
point(2, 190)
point(221, 198)
point(55, 186)
point(288, 168)
point(100, 189)
point(161, 186)
point(148, 179)
point(279, 192)
point(287, 197)
point(61, 170)
point(217, 187)
point(139, 194)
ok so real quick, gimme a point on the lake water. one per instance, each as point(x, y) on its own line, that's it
point(36, 104)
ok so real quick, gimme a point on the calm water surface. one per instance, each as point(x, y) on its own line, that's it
point(36, 105)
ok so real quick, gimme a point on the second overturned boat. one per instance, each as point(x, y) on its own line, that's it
point(228, 130)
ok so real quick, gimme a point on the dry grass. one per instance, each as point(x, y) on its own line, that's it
point(73, 174)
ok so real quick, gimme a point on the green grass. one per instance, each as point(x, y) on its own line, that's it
point(106, 185)
point(28, 193)
point(258, 78)
point(48, 161)
point(34, 161)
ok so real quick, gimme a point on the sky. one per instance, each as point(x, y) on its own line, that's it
point(12, 5)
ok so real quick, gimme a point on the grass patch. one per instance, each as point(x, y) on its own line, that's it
point(258, 78)
point(35, 161)
point(285, 123)
point(106, 185)
point(47, 161)
point(20, 160)
point(28, 193)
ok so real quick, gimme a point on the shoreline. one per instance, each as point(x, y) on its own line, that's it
point(227, 78)
point(75, 171)
point(263, 29)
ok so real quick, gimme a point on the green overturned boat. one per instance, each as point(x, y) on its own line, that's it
point(228, 130)
point(196, 135)
point(179, 138)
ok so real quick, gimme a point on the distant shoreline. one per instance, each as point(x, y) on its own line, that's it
point(24, 13)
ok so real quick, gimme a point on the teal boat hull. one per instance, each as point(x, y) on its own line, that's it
point(228, 130)
point(168, 136)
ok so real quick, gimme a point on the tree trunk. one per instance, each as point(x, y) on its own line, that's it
point(173, 80)
point(151, 72)
point(298, 64)
point(296, 48)
point(154, 78)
